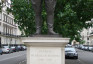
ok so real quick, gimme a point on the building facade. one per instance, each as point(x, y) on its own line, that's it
point(9, 32)
point(87, 36)
point(91, 36)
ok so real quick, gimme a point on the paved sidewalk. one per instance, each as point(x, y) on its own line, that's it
point(68, 61)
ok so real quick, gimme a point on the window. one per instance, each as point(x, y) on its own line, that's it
point(9, 20)
point(12, 21)
point(88, 38)
point(9, 30)
point(5, 17)
point(4, 29)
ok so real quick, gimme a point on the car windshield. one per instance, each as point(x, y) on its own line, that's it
point(6, 46)
point(70, 50)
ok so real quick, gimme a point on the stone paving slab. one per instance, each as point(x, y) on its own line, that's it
point(68, 61)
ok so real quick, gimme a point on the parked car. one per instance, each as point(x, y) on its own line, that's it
point(71, 52)
point(82, 47)
point(13, 48)
point(7, 49)
point(68, 45)
point(24, 47)
point(77, 46)
point(19, 47)
point(90, 48)
point(86, 48)
point(1, 52)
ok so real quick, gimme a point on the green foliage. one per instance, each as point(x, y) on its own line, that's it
point(82, 42)
point(24, 16)
point(70, 16)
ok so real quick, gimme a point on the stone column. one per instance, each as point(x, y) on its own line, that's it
point(45, 50)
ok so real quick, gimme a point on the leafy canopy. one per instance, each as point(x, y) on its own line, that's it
point(70, 17)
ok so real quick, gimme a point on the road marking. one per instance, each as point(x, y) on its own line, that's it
point(12, 57)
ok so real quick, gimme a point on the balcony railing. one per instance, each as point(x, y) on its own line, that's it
point(11, 35)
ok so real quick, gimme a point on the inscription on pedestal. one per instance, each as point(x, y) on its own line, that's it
point(45, 55)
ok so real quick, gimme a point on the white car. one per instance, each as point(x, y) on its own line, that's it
point(24, 47)
point(71, 52)
point(86, 48)
point(68, 45)
point(5, 49)
point(82, 47)
point(90, 48)
point(13, 48)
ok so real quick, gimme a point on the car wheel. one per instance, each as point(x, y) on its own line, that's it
point(76, 57)
point(92, 50)
point(1, 53)
point(8, 52)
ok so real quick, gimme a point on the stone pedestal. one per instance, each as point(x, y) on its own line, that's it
point(45, 50)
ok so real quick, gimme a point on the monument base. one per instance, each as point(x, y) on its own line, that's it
point(45, 50)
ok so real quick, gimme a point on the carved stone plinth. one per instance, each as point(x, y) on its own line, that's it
point(45, 50)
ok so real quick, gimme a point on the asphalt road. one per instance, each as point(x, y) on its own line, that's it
point(85, 57)
point(13, 58)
